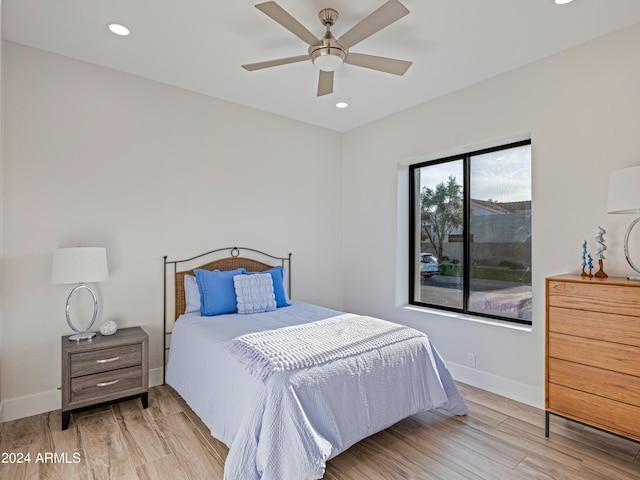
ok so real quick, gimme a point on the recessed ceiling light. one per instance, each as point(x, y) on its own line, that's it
point(118, 29)
point(562, 2)
point(342, 105)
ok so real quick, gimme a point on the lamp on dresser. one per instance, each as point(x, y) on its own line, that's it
point(80, 265)
point(624, 197)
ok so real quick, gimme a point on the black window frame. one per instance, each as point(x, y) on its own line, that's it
point(413, 168)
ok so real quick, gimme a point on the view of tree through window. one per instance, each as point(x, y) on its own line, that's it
point(471, 233)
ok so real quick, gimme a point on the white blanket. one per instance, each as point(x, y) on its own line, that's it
point(289, 427)
point(301, 346)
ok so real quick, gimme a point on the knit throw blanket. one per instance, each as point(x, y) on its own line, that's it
point(306, 345)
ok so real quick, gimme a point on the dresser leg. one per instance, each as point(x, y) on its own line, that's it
point(546, 424)
point(144, 398)
point(66, 416)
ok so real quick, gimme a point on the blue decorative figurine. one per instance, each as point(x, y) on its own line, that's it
point(584, 259)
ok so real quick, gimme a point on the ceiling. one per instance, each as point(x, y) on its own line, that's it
point(199, 45)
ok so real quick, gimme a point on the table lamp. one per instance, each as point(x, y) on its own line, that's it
point(80, 265)
point(624, 197)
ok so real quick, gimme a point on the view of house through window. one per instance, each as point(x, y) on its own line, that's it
point(471, 233)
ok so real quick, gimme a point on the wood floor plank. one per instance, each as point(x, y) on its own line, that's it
point(457, 455)
point(104, 447)
point(21, 432)
point(534, 444)
point(163, 402)
point(144, 441)
point(219, 447)
point(165, 468)
point(187, 443)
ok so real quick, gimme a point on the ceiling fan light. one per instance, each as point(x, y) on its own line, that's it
point(328, 63)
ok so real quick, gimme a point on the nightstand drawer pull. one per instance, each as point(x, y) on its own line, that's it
point(107, 360)
point(106, 384)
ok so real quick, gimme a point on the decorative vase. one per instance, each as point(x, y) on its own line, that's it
point(108, 328)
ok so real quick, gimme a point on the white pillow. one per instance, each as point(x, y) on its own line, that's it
point(191, 294)
point(255, 293)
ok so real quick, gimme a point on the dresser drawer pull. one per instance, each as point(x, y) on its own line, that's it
point(107, 360)
point(106, 384)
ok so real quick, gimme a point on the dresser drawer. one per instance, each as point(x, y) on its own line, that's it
point(596, 297)
point(594, 410)
point(597, 325)
point(105, 359)
point(101, 386)
point(596, 353)
point(614, 385)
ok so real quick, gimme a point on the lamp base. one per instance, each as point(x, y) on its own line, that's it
point(82, 336)
point(634, 279)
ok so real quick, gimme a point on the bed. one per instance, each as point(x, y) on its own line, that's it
point(284, 416)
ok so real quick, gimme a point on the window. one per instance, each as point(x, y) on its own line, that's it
point(470, 233)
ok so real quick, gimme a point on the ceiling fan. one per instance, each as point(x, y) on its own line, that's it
point(327, 53)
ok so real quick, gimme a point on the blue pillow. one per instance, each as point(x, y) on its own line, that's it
point(217, 292)
point(277, 273)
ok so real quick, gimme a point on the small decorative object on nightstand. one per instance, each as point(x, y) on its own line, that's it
point(109, 327)
point(109, 368)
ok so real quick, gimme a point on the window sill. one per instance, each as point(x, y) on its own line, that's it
point(469, 318)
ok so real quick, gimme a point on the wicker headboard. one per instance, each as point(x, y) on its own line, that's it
point(175, 270)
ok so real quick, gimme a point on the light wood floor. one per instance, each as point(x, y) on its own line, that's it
point(498, 439)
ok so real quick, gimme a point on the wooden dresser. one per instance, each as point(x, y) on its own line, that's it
point(103, 370)
point(593, 352)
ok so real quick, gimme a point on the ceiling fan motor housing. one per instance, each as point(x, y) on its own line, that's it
point(329, 55)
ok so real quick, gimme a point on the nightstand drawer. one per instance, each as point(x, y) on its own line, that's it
point(101, 385)
point(106, 359)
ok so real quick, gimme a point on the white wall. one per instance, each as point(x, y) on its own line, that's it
point(100, 158)
point(581, 110)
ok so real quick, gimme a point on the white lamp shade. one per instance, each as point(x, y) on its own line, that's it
point(624, 191)
point(79, 265)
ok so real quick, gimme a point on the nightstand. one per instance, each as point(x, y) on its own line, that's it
point(104, 370)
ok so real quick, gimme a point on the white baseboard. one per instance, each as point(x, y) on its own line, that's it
point(26, 406)
point(499, 385)
point(43, 402)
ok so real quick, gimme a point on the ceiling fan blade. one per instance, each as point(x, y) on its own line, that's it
point(383, 64)
point(376, 21)
point(274, 63)
point(325, 83)
point(277, 13)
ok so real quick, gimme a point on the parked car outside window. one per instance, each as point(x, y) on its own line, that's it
point(428, 265)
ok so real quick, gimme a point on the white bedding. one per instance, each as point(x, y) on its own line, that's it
point(289, 427)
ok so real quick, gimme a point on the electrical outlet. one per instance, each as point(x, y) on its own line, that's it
point(471, 360)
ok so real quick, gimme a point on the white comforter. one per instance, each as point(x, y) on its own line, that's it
point(289, 427)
